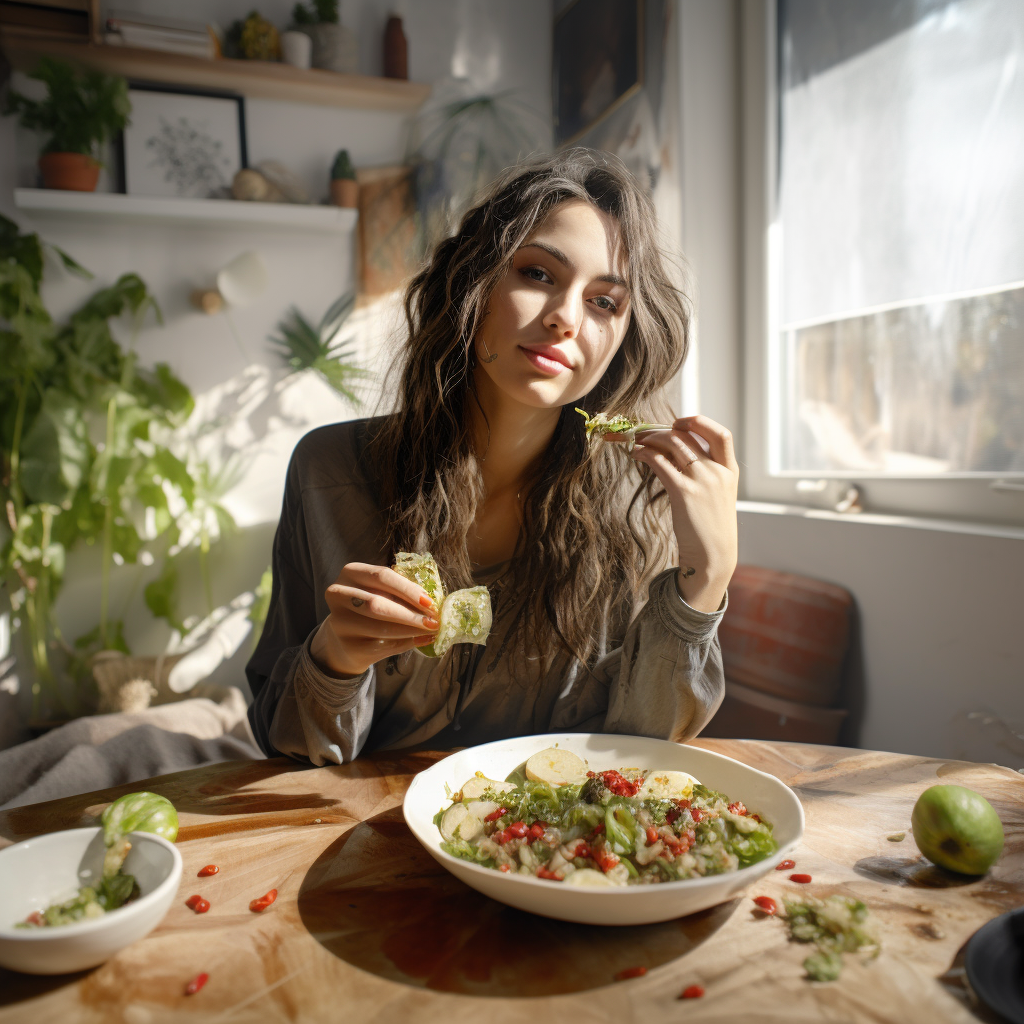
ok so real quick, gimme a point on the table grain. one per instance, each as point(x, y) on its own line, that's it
point(367, 927)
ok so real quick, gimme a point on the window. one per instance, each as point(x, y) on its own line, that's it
point(892, 325)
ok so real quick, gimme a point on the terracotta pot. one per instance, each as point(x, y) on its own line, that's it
point(344, 192)
point(73, 171)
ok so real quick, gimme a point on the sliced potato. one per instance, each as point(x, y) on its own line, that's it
point(589, 878)
point(481, 808)
point(458, 822)
point(666, 785)
point(556, 767)
point(475, 788)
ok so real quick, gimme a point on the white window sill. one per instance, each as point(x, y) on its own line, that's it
point(875, 519)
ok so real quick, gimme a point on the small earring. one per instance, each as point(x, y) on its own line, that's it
point(490, 357)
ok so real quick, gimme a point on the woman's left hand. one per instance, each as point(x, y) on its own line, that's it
point(702, 488)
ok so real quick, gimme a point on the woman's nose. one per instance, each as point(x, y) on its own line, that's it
point(565, 317)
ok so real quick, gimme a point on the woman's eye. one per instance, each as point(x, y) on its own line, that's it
point(536, 274)
point(604, 302)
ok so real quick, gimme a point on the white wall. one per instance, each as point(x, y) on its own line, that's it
point(494, 47)
point(941, 622)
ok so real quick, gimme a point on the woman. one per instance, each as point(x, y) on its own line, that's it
point(607, 569)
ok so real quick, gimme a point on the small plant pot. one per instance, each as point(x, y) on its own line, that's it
point(345, 192)
point(74, 172)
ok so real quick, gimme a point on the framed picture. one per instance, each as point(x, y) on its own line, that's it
point(598, 62)
point(182, 143)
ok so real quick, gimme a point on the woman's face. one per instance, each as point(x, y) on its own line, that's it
point(557, 318)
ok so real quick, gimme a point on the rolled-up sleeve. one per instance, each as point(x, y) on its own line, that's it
point(665, 680)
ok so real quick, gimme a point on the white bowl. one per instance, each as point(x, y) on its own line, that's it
point(640, 904)
point(38, 872)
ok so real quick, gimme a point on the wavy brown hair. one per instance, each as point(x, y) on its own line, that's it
point(596, 528)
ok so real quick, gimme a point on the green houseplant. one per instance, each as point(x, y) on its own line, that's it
point(334, 46)
point(82, 433)
point(79, 113)
point(344, 187)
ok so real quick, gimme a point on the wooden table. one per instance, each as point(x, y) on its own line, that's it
point(367, 927)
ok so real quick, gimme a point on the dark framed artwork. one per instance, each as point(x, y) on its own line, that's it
point(185, 143)
point(598, 62)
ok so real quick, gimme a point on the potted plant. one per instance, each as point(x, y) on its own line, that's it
point(80, 113)
point(344, 187)
point(334, 47)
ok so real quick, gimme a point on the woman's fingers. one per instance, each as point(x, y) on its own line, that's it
point(673, 445)
point(719, 439)
point(382, 579)
point(374, 605)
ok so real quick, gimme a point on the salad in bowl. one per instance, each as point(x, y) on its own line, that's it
point(557, 820)
point(602, 829)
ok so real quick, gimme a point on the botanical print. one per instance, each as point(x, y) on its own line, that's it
point(190, 158)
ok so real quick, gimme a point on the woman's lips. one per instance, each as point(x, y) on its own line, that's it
point(544, 362)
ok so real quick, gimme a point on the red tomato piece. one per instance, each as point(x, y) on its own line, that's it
point(536, 831)
point(631, 972)
point(196, 984)
point(619, 784)
point(606, 860)
point(766, 904)
point(495, 815)
point(802, 879)
point(598, 829)
point(697, 814)
point(198, 904)
point(259, 905)
point(691, 992)
point(737, 808)
point(504, 867)
point(517, 830)
point(551, 876)
point(210, 869)
point(785, 865)
point(652, 835)
point(673, 814)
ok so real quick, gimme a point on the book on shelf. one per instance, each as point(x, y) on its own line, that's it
point(191, 39)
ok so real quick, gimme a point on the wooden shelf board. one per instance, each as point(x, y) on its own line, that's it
point(43, 202)
point(262, 79)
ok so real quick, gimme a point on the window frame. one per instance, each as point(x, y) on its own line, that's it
point(968, 498)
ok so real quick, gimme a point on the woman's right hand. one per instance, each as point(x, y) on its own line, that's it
point(375, 613)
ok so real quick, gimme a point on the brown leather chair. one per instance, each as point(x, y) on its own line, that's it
point(785, 645)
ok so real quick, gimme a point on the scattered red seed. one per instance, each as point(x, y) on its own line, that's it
point(766, 904)
point(785, 865)
point(802, 879)
point(198, 904)
point(196, 984)
point(631, 972)
point(691, 992)
point(210, 869)
point(259, 905)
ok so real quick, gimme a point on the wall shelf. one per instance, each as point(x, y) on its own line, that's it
point(261, 79)
point(54, 203)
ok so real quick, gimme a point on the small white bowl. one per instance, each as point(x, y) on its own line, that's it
point(38, 872)
point(636, 904)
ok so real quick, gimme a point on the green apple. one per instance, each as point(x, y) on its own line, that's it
point(957, 829)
